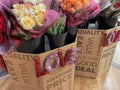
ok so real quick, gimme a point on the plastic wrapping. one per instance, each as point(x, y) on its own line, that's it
point(38, 31)
point(84, 14)
point(18, 34)
point(9, 3)
point(5, 44)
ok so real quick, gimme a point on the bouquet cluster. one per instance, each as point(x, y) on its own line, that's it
point(31, 19)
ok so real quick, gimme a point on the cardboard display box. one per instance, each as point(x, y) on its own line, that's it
point(21, 67)
point(97, 51)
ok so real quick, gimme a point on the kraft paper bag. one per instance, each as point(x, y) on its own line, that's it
point(97, 50)
point(21, 67)
point(61, 79)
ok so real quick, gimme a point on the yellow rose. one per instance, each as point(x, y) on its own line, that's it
point(27, 22)
point(40, 18)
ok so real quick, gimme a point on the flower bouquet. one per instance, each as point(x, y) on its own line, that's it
point(109, 16)
point(57, 34)
point(30, 21)
point(78, 12)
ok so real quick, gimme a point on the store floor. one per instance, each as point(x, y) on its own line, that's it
point(107, 81)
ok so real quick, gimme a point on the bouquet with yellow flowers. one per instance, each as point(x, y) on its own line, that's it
point(29, 22)
point(30, 16)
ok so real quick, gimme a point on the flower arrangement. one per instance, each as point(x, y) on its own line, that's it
point(29, 21)
point(73, 6)
point(79, 11)
point(30, 15)
point(32, 20)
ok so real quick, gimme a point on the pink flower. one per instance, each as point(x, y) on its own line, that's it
point(9, 3)
point(117, 5)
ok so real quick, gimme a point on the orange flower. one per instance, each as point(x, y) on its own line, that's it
point(66, 1)
point(73, 5)
point(86, 3)
point(72, 10)
point(28, 5)
point(63, 6)
point(79, 6)
point(69, 5)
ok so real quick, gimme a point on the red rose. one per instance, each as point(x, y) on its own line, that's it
point(3, 26)
point(117, 5)
point(2, 37)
